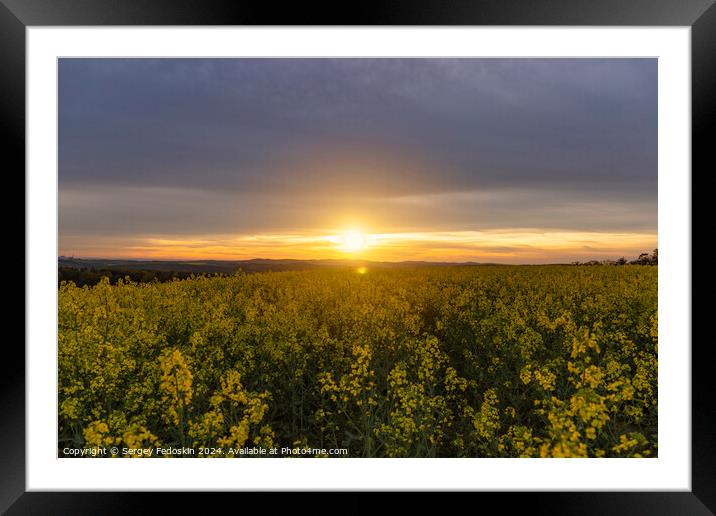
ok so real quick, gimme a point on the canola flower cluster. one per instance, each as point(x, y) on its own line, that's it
point(480, 361)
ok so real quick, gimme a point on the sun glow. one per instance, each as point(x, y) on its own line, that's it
point(353, 241)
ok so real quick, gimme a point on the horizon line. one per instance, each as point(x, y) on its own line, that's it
point(186, 260)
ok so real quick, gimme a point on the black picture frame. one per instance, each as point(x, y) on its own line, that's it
point(17, 15)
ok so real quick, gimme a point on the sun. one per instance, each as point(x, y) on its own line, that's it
point(353, 241)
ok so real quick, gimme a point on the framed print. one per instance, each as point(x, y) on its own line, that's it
point(415, 250)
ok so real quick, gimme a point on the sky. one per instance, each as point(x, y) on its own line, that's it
point(488, 160)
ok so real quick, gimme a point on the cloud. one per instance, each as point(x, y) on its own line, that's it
point(244, 145)
point(153, 210)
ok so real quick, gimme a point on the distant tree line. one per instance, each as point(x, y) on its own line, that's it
point(91, 276)
point(643, 259)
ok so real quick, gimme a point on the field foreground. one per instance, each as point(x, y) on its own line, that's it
point(494, 361)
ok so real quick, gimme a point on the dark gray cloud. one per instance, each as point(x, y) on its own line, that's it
point(576, 137)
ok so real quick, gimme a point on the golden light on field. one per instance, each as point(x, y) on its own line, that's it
point(362, 270)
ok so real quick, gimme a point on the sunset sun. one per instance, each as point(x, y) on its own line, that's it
point(353, 241)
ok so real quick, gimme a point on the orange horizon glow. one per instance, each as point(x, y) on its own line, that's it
point(500, 246)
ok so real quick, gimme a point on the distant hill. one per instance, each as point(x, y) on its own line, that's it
point(231, 266)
